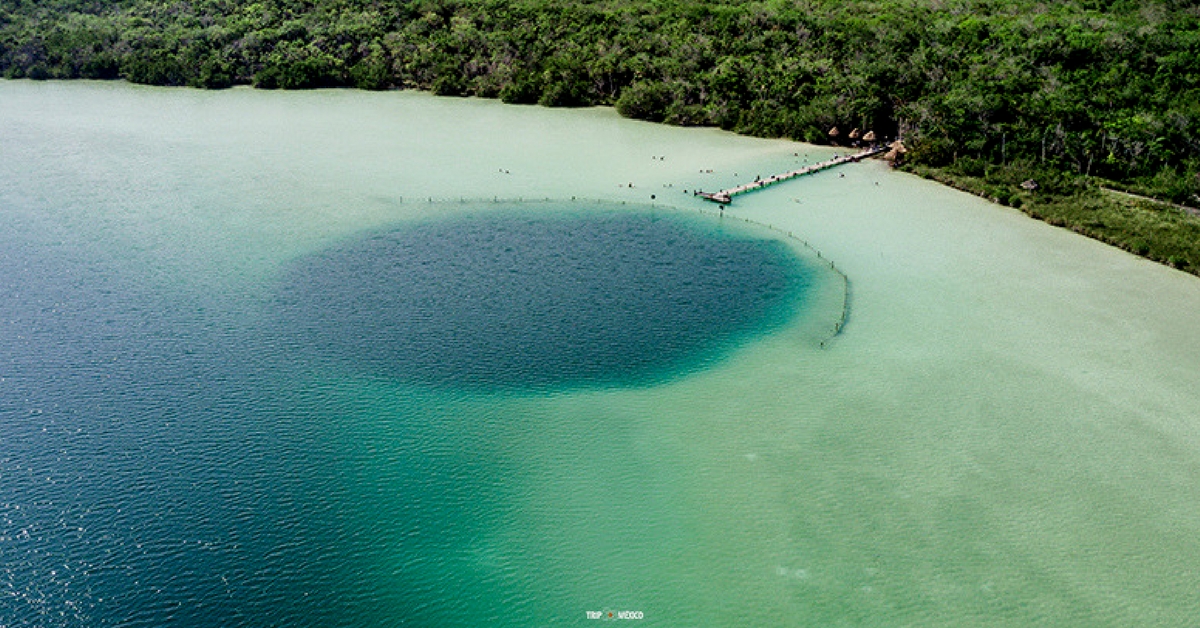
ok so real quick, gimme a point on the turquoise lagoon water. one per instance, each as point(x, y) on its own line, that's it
point(251, 375)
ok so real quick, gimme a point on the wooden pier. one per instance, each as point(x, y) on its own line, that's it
point(726, 196)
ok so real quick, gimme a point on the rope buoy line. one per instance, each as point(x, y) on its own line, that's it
point(838, 327)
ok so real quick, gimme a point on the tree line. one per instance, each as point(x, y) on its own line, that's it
point(1060, 90)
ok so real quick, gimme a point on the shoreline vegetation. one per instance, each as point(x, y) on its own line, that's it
point(1075, 96)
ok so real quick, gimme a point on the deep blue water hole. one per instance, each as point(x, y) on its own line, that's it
point(540, 300)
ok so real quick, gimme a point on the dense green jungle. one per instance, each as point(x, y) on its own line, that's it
point(1085, 98)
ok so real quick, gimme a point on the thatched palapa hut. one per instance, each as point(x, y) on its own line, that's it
point(869, 137)
point(896, 153)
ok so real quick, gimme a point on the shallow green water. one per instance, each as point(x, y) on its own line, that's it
point(1006, 433)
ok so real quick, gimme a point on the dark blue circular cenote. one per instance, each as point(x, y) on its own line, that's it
point(539, 299)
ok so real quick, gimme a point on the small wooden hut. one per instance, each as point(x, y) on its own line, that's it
point(896, 152)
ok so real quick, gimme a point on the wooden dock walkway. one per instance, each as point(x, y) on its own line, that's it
point(725, 196)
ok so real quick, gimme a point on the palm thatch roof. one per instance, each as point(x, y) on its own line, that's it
point(897, 149)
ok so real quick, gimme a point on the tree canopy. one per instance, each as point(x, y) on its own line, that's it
point(1107, 89)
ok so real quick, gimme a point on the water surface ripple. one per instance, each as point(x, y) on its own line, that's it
point(521, 301)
